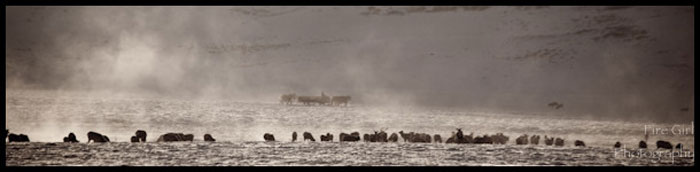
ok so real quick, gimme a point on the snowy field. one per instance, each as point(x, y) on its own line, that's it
point(48, 116)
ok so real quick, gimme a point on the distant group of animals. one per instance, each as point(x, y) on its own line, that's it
point(412, 137)
point(661, 144)
point(378, 136)
point(16, 138)
point(320, 100)
point(549, 141)
point(457, 138)
point(140, 136)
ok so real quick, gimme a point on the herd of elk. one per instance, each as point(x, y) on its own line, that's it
point(378, 136)
point(289, 99)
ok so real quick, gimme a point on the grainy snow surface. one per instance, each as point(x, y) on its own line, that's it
point(48, 116)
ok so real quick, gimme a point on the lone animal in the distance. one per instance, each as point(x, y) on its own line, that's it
point(459, 136)
point(352, 137)
point(426, 138)
point(558, 142)
point(355, 136)
point(663, 144)
point(172, 137)
point(415, 137)
point(288, 98)
point(71, 138)
point(209, 138)
point(97, 137)
point(642, 144)
point(394, 137)
point(437, 138)
point(486, 139)
point(308, 136)
point(579, 143)
point(380, 136)
point(617, 145)
point(407, 137)
point(268, 137)
point(535, 139)
point(549, 141)
point(141, 135)
point(328, 137)
point(522, 140)
point(499, 138)
point(342, 137)
point(555, 105)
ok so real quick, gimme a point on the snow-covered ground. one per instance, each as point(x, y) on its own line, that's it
point(315, 153)
point(48, 116)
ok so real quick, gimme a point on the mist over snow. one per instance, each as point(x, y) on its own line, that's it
point(600, 62)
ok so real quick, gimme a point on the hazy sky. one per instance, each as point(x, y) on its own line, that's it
point(603, 61)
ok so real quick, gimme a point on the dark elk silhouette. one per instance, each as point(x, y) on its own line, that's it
point(378, 136)
point(642, 144)
point(437, 138)
point(617, 145)
point(535, 139)
point(140, 136)
point(394, 137)
point(555, 105)
point(175, 137)
point(367, 137)
point(327, 138)
point(268, 137)
point(460, 138)
point(209, 138)
point(522, 140)
point(16, 138)
point(352, 137)
point(559, 142)
point(663, 144)
point(288, 98)
point(308, 136)
point(549, 141)
point(308, 100)
point(97, 137)
point(71, 138)
point(499, 138)
point(486, 139)
point(415, 137)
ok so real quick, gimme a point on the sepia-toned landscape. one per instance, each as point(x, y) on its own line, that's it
point(350, 86)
